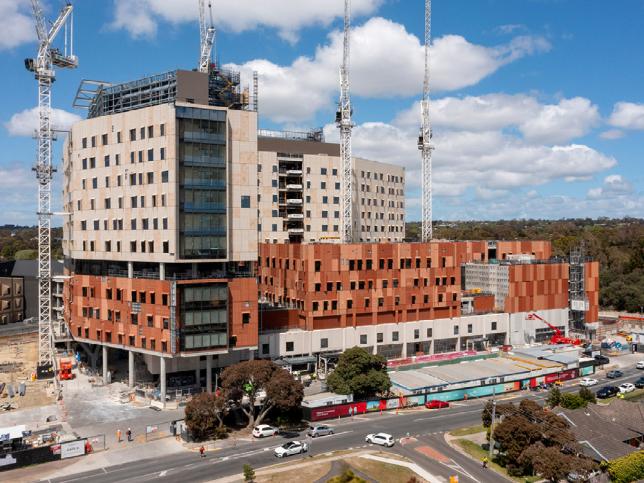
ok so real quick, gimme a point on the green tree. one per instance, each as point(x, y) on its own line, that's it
point(244, 382)
point(204, 413)
point(587, 395)
point(627, 468)
point(249, 474)
point(554, 397)
point(572, 401)
point(360, 373)
point(347, 476)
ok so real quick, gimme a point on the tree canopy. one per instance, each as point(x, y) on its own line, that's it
point(360, 373)
point(243, 383)
point(203, 413)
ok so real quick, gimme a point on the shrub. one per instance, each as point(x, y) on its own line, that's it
point(627, 468)
point(587, 395)
point(572, 401)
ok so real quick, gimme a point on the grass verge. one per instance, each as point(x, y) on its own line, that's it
point(308, 473)
point(478, 453)
point(467, 431)
point(382, 472)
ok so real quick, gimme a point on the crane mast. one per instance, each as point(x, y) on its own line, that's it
point(43, 68)
point(343, 121)
point(206, 36)
point(425, 138)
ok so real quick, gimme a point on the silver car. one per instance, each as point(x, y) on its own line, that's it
point(319, 430)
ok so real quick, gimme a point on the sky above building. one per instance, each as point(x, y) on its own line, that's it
point(537, 105)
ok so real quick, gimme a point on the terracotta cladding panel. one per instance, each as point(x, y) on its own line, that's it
point(243, 300)
point(591, 283)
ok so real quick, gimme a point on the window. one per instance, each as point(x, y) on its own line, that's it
point(334, 172)
point(363, 339)
point(93, 141)
point(84, 163)
point(290, 346)
point(380, 337)
point(150, 178)
point(107, 161)
point(150, 154)
point(162, 154)
point(245, 201)
point(469, 328)
point(140, 156)
point(104, 139)
point(493, 325)
point(246, 318)
point(323, 185)
point(164, 176)
point(118, 137)
point(132, 134)
point(265, 349)
point(150, 321)
point(429, 332)
point(142, 133)
point(150, 131)
point(84, 143)
point(456, 330)
point(324, 343)
point(135, 319)
point(162, 129)
point(166, 247)
point(322, 170)
point(274, 227)
point(394, 336)
point(416, 333)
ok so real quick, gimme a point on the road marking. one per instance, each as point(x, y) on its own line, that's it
point(163, 473)
point(449, 414)
point(104, 470)
point(225, 458)
point(456, 467)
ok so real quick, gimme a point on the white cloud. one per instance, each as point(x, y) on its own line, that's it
point(511, 28)
point(612, 134)
point(539, 123)
point(614, 186)
point(569, 119)
point(16, 24)
point(25, 123)
point(627, 115)
point(386, 61)
point(141, 17)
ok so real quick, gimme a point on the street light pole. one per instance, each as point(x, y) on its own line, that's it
point(492, 425)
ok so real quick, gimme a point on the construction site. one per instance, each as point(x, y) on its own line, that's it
point(194, 240)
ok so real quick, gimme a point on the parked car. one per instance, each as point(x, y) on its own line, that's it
point(436, 404)
point(588, 381)
point(383, 439)
point(601, 360)
point(291, 448)
point(264, 430)
point(614, 374)
point(626, 387)
point(319, 430)
point(639, 384)
point(640, 365)
point(607, 391)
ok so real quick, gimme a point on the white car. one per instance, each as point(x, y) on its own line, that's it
point(640, 365)
point(626, 387)
point(587, 381)
point(290, 448)
point(383, 439)
point(264, 430)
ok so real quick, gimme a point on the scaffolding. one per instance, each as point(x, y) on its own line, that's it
point(102, 98)
point(577, 289)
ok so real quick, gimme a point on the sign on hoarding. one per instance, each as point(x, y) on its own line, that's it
point(73, 448)
point(579, 305)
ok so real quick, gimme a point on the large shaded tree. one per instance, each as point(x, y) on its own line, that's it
point(360, 373)
point(244, 382)
point(204, 412)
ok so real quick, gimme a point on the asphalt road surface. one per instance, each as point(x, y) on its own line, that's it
point(414, 431)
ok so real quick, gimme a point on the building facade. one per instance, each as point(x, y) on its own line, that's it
point(161, 245)
point(300, 192)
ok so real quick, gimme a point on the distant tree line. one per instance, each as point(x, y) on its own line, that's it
point(21, 242)
point(618, 245)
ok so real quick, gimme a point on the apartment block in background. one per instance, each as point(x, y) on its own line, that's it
point(300, 192)
point(162, 242)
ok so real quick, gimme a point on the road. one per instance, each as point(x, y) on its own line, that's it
point(425, 445)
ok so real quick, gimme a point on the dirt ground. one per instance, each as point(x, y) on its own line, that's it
point(18, 358)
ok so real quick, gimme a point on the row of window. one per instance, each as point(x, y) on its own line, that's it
point(117, 224)
point(118, 138)
point(135, 178)
point(80, 332)
point(381, 302)
point(369, 284)
point(379, 176)
point(135, 202)
point(368, 264)
point(90, 163)
point(391, 204)
point(145, 246)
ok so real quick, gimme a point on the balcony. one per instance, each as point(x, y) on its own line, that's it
point(293, 201)
point(290, 172)
point(295, 216)
point(203, 207)
point(294, 187)
point(205, 184)
point(296, 231)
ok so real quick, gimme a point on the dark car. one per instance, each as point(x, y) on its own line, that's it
point(606, 392)
point(639, 384)
point(601, 360)
point(614, 374)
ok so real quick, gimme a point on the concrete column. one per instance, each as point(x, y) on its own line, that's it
point(130, 371)
point(404, 339)
point(374, 334)
point(194, 270)
point(198, 373)
point(251, 354)
point(130, 269)
point(161, 271)
point(105, 364)
point(162, 379)
point(209, 373)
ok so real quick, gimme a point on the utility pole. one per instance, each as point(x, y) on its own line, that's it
point(42, 66)
point(492, 425)
point(343, 121)
point(425, 138)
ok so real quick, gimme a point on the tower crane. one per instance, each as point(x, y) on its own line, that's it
point(42, 66)
point(343, 121)
point(425, 137)
point(206, 35)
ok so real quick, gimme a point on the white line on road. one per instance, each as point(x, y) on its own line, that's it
point(163, 473)
point(449, 414)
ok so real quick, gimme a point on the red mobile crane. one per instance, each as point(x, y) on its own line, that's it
point(558, 337)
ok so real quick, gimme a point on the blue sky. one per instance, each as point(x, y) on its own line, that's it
point(537, 105)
